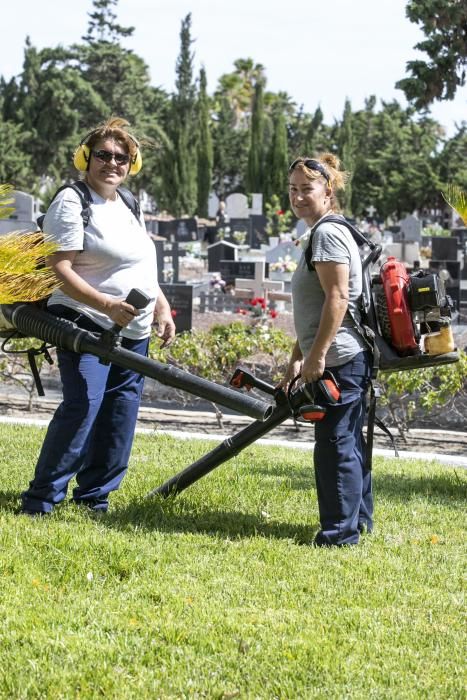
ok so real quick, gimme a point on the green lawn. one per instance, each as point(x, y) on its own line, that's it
point(218, 593)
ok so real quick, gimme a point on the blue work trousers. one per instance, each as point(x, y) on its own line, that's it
point(91, 433)
point(343, 483)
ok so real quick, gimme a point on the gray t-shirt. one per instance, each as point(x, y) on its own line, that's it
point(331, 243)
point(116, 254)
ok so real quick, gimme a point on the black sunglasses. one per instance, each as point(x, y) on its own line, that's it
point(107, 156)
point(312, 165)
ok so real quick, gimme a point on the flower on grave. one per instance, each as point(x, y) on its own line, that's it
point(284, 265)
point(173, 313)
point(239, 237)
point(259, 309)
point(216, 282)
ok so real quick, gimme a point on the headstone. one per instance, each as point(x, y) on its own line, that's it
point(259, 286)
point(24, 217)
point(230, 270)
point(258, 230)
point(236, 205)
point(172, 254)
point(213, 205)
point(256, 204)
point(407, 253)
point(410, 229)
point(180, 298)
point(283, 250)
point(444, 248)
point(159, 245)
point(222, 250)
point(240, 226)
point(180, 230)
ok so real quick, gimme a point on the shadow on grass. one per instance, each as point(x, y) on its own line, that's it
point(448, 488)
point(178, 516)
point(9, 500)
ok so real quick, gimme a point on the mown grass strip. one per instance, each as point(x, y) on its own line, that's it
point(218, 593)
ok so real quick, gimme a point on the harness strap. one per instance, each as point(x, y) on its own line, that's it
point(32, 354)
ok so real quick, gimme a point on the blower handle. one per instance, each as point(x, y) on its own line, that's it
point(136, 298)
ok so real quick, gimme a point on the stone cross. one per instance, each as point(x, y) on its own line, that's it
point(259, 286)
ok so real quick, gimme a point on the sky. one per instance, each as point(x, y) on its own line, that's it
point(318, 51)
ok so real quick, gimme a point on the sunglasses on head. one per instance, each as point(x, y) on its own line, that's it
point(312, 165)
point(108, 156)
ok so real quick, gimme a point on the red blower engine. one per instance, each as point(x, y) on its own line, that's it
point(414, 311)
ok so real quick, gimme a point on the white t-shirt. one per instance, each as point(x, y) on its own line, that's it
point(115, 254)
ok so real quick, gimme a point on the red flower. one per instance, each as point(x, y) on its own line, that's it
point(273, 313)
point(253, 302)
point(173, 313)
point(280, 212)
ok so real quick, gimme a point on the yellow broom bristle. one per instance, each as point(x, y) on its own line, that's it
point(20, 255)
point(457, 199)
point(5, 191)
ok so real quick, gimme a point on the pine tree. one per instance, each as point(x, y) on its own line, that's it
point(205, 149)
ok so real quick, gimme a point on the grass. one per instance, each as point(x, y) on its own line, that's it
point(218, 593)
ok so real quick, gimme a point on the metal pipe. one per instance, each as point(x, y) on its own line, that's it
point(31, 321)
point(223, 452)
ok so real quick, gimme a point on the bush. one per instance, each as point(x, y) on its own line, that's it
point(415, 395)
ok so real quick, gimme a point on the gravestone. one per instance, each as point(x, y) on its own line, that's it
point(230, 270)
point(159, 246)
point(180, 230)
point(236, 205)
point(256, 204)
point(243, 227)
point(213, 205)
point(283, 250)
point(172, 255)
point(408, 253)
point(444, 248)
point(24, 218)
point(180, 298)
point(410, 229)
point(258, 235)
point(222, 250)
point(259, 286)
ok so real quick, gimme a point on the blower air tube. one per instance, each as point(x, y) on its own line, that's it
point(34, 322)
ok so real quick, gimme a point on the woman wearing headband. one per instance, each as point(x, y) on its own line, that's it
point(325, 289)
point(99, 259)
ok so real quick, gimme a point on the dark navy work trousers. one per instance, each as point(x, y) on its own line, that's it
point(91, 434)
point(343, 483)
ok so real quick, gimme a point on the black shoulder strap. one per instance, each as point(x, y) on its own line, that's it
point(82, 190)
point(130, 200)
point(359, 238)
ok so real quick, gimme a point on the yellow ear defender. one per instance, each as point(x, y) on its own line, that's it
point(83, 153)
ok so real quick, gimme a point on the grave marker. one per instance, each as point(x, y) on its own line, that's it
point(221, 250)
point(180, 298)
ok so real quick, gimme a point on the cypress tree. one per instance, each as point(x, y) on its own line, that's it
point(255, 178)
point(182, 131)
point(276, 171)
point(347, 153)
point(205, 149)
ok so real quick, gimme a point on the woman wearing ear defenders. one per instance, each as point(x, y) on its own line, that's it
point(326, 287)
point(91, 433)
